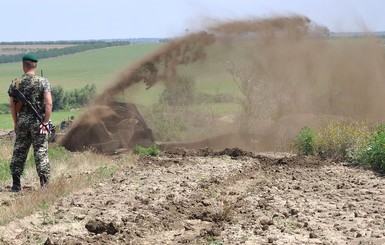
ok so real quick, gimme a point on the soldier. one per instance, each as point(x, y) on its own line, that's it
point(29, 131)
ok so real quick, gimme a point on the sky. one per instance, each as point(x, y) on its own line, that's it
point(53, 20)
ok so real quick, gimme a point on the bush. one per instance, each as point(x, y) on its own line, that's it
point(304, 141)
point(374, 155)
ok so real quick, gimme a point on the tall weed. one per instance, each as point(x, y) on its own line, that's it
point(374, 154)
point(343, 141)
point(354, 142)
point(304, 142)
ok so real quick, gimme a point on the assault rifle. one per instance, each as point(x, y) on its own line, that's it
point(22, 97)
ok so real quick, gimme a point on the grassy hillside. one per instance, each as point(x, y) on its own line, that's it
point(75, 71)
point(102, 66)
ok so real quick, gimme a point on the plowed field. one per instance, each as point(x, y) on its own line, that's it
point(224, 197)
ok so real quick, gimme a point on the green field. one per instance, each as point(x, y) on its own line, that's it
point(75, 71)
point(100, 67)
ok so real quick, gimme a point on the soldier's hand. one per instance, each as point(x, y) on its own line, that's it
point(43, 128)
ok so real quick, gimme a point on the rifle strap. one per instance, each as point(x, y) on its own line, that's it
point(18, 103)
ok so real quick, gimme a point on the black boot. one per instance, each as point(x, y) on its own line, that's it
point(43, 181)
point(16, 186)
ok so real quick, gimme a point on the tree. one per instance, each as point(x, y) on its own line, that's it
point(57, 98)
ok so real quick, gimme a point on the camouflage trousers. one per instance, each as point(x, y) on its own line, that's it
point(27, 134)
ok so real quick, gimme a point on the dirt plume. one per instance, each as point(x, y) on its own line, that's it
point(161, 65)
point(282, 67)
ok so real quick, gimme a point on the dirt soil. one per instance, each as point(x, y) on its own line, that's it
point(224, 197)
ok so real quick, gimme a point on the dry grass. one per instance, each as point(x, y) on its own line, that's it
point(70, 172)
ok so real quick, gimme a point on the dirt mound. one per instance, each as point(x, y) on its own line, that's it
point(109, 128)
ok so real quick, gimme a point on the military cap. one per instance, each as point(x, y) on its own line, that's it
point(30, 57)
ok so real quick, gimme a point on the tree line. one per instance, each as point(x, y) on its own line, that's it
point(64, 100)
point(55, 52)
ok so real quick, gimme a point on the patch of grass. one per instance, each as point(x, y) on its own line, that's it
point(5, 108)
point(46, 219)
point(214, 241)
point(149, 151)
point(57, 153)
point(5, 171)
point(6, 149)
point(107, 170)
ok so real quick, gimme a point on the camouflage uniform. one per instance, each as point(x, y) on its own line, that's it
point(27, 129)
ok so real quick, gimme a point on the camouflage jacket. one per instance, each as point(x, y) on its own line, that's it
point(33, 87)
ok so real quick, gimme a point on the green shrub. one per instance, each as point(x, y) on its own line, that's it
point(150, 151)
point(374, 155)
point(304, 141)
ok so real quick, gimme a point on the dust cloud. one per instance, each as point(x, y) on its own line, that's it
point(290, 73)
